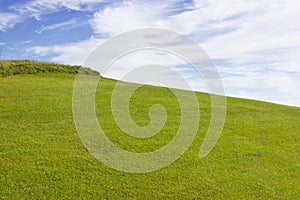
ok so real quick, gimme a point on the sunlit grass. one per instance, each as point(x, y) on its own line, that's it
point(41, 155)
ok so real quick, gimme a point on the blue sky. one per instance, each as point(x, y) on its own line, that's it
point(254, 44)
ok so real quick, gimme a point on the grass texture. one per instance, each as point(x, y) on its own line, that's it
point(42, 157)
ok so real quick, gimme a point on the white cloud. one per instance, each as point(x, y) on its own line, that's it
point(8, 20)
point(72, 53)
point(66, 25)
point(131, 15)
point(27, 42)
point(266, 28)
point(37, 8)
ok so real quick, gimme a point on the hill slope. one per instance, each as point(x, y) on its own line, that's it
point(41, 155)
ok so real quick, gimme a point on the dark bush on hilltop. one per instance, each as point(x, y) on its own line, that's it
point(14, 67)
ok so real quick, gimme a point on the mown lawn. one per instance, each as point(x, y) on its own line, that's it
point(42, 157)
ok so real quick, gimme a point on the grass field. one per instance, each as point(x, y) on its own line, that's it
point(42, 157)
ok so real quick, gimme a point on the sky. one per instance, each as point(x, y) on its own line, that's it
point(255, 45)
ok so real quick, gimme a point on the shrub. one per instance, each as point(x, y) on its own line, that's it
point(12, 67)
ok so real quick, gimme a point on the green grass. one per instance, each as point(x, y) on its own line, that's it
point(42, 157)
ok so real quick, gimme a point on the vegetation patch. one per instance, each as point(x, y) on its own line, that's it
point(14, 67)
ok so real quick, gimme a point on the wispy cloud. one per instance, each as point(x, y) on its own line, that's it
point(37, 8)
point(71, 53)
point(27, 42)
point(8, 20)
point(66, 25)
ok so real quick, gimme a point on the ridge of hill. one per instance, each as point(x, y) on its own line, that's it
point(14, 67)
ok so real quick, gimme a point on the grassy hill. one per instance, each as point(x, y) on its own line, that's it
point(42, 157)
